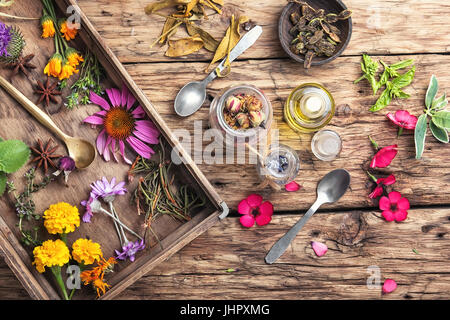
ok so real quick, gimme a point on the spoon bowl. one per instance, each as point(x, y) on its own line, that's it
point(330, 189)
point(81, 151)
point(190, 98)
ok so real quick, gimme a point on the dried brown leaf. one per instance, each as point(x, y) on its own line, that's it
point(209, 42)
point(182, 47)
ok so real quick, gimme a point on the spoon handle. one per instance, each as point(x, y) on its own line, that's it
point(246, 42)
point(41, 116)
point(283, 243)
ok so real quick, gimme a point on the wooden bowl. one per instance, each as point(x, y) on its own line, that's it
point(330, 6)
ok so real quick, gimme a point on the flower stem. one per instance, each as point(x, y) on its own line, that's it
point(56, 270)
point(118, 221)
point(400, 131)
point(375, 145)
point(372, 177)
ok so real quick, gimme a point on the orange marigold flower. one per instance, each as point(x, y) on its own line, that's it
point(48, 27)
point(68, 33)
point(73, 57)
point(95, 275)
point(67, 71)
point(54, 66)
point(100, 286)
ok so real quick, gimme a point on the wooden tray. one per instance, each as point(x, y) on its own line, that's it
point(16, 123)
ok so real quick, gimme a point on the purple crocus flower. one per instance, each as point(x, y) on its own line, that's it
point(130, 249)
point(107, 191)
point(5, 39)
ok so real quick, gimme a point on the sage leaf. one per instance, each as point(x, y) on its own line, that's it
point(432, 91)
point(419, 135)
point(442, 119)
point(439, 133)
point(439, 103)
point(2, 182)
point(13, 155)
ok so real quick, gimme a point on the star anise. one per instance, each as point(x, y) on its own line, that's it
point(22, 64)
point(45, 155)
point(47, 92)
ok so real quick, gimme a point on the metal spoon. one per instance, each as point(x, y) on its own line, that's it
point(192, 95)
point(330, 189)
point(82, 151)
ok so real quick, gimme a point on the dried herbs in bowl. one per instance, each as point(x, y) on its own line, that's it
point(315, 32)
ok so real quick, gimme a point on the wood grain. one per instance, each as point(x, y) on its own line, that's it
point(356, 240)
point(423, 182)
point(381, 27)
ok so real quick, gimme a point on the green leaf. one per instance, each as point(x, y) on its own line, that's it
point(404, 79)
point(2, 182)
point(415, 251)
point(13, 155)
point(439, 133)
point(402, 64)
point(419, 135)
point(442, 119)
point(383, 101)
point(432, 91)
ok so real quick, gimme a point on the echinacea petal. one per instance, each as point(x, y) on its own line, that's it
point(106, 154)
point(146, 136)
point(266, 209)
point(292, 186)
point(130, 101)
point(247, 220)
point(388, 215)
point(384, 203)
point(112, 97)
point(96, 99)
point(124, 95)
point(403, 204)
point(389, 285)
point(147, 125)
point(94, 120)
point(254, 200)
point(394, 196)
point(141, 148)
point(122, 152)
point(244, 207)
point(101, 141)
point(400, 215)
point(319, 248)
point(113, 148)
point(138, 112)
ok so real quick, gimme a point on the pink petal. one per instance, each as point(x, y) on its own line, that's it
point(400, 215)
point(96, 99)
point(387, 181)
point(403, 204)
point(384, 157)
point(94, 120)
point(384, 204)
point(130, 101)
point(388, 215)
point(389, 286)
point(87, 217)
point(146, 136)
point(247, 220)
point(122, 152)
point(112, 97)
point(244, 208)
point(319, 248)
point(262, 220)
point(106, 154)
point(378, 191)
point(113, 148)
point(101, 141)
point(266, 209)
point(412, 122)
point(147, 125)
point(292, 186)
point(402, 116)
point(101, 113)
point(138, 112)
point(141, 148)
point(124, 95)
point(254, 200)
point(394, 196)
point(392, 118)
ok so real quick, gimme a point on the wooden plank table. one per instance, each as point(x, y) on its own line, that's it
point(353, 229)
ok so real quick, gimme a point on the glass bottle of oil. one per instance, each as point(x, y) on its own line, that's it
point(309, 108)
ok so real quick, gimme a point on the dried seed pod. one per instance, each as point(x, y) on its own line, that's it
point(295, 18)
point(325, 26)
point(320, 14)
point(308, 12)
point(316, 37)
point(335, 37)
point(344, 15)
point(331, 18)
point(308, 59)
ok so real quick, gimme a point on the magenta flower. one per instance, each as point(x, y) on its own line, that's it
point(129, 250)
point(394, 207)
point(378, 191)
point(254, 202)
point(292, 186)
point(89, 210)
point(403, 119)
point(389, 285)
point(122, 123)
point(104, 189)
point(384, 157)
point(319, 248)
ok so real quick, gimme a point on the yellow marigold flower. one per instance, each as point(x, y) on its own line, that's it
point(86, 251)
point(61, 218)
point(49, 254)
point(67, 71)
point(67, 32)
point(54, 66)
point(73, 57)
point(48, 28)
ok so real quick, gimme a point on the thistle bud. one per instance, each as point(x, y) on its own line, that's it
point(256, 118)
point(233, 104)
point(253, 104)
point(243, 120)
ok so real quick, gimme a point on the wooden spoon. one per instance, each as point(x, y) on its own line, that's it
point(82, 151)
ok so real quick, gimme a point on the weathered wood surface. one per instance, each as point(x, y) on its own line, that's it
point(382, 27)
point(356, 241)
point(411, 28)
